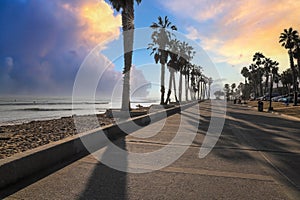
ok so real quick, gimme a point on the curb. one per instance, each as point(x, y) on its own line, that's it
point(25, 164)
point(277, 113)
point(287, 116)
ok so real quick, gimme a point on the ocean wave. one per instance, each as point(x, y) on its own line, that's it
point(51, 103)
point(46, 109)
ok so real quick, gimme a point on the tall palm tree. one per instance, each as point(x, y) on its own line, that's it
point(195, 72)
point(258, 59)
point(173, 66)
point(287, 40)
point(186, 72)
point(267, 70)
point(127, 7)
point(255, 77)
point(183, 60)
point(274, 72)
point(186, 53)
point(198, 80)
point(296, 53)
point(161, 38)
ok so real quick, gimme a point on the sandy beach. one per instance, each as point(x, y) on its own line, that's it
point(22, 137)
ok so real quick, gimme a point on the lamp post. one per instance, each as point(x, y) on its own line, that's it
point(270, 93)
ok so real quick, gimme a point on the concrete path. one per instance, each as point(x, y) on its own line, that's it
point(256, 157)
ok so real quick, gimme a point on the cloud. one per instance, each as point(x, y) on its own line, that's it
point(43, 43)
point(232, 31)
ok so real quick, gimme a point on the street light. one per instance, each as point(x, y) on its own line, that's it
point(270, 94)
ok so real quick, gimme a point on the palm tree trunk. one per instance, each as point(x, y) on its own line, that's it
point(162, 83)
point(174, 85)
point(180, 86)
point(255, 89)
point(209, 87)
point(207, 93)
point(170, 86)
point(271, 91)
point(128, 34)
point(267, 83)
point(203, 90)
point(198, 86)
point(186, 87)
point(295, 88)
point(261, 88)
point(298, 63)
point(191, 90)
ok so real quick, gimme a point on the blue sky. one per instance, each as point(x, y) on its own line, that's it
point(43, 43)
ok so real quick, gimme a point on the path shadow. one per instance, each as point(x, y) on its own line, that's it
point(106, 182)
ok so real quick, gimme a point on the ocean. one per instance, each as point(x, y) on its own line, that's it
point(20, 109)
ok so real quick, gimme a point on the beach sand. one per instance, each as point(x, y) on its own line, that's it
point(22, 137)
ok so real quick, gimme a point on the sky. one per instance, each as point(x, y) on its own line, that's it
point(44, 43)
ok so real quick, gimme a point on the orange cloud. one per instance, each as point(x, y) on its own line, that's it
point(233, 30)
point(96, 17)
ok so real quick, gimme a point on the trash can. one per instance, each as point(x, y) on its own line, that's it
point(260, 106)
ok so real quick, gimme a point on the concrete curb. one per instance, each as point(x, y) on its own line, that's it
point(277, 113)
point(22, 165)
point(286, 116)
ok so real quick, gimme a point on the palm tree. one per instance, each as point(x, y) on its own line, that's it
point(227, 90)
point(245, 72)
point(258, 59)
point(296, 53)
point(287, 40)
point(127, 7)
point(161, 37)
point(186, 72)
point(183, 60)
point(267, 70)
point(186, 54)
point(203, 87)
point(195, 77)
point(274, 72)
point(233, 86)
point(255, 78)
point(198, 74)
point(277, 78)
point(287, 79)
point(173, 66)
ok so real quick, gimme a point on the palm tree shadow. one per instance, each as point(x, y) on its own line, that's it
point(106, 182)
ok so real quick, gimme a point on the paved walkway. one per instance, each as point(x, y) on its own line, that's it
point(256, 157)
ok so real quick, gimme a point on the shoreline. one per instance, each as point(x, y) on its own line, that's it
point(26, 121)
point(23, 136)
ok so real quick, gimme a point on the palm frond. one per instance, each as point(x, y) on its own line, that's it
point(160, 21)
point(138, 1)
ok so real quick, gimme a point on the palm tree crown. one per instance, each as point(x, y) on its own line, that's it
point(161, 38)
